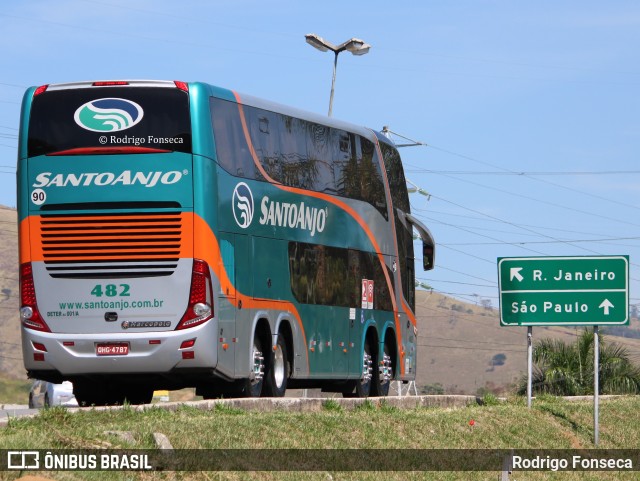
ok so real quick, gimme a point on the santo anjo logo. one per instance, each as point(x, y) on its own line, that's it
point(108, 115)
point(243, 205)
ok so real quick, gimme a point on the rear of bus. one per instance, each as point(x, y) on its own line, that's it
point(111, 295)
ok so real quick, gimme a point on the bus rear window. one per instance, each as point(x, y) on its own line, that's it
point(109, 120)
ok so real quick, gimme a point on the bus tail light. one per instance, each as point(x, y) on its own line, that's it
point(110, 83)
point(40, 90)
point(200, 308)
point(181, 85)
point(29, 313)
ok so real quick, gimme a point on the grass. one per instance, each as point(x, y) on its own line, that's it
point(13, 391)
point(552, 423)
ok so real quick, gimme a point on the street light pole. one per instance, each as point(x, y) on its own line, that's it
point(333, 82)
point(354, 45)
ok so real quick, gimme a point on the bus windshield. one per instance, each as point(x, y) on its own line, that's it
point(109, 120)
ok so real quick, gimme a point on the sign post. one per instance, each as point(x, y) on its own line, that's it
point(564, 291)
point(596, 384)
point(529, 364)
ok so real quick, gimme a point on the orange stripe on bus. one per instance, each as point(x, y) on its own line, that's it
point(318, 195)
point(207, 248)
point(24, 249)
point(247, 137)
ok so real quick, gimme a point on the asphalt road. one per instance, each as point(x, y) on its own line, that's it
point(8, 411)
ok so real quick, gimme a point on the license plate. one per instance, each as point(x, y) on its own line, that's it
point(112, 349)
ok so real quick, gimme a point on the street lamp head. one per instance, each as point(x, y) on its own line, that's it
point(356, 46)
point(318, 42)
point(353, 45)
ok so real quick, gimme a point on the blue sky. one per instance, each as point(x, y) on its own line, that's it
point(530, 109)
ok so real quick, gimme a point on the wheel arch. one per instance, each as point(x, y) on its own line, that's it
point(284, 328)
point(262, 330)
point(389, 339)
point(370, 333)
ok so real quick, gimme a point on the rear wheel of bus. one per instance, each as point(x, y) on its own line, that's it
point(384, 373)
point(362, 387)
point(278, 370)
point(253, 385)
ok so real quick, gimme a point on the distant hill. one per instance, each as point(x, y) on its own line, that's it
point(462, 348)
point(10, 348)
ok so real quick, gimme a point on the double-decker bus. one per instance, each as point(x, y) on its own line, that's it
point(179, 234)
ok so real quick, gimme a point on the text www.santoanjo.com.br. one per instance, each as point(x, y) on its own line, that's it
point(73, 308)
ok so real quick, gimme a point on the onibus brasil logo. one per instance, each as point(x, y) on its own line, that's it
point(108, 115)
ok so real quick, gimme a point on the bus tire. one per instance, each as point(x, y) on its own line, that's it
point(362, 387)
point(278, 370)
point(252, 386)
point(383, 373)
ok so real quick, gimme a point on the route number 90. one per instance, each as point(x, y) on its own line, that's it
point(38, 196)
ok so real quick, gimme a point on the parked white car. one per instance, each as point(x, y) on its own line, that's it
point(45, 394)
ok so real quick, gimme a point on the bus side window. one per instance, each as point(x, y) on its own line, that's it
point(232, 150)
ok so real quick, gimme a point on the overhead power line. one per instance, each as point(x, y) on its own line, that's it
point(532, 177)
point(552, 204)
point(560, 241)
point(484, 220)
point(416, 169)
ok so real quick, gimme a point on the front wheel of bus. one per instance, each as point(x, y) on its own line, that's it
point(278, 373)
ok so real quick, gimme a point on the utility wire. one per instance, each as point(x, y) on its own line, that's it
point(540, 201)
point(535, 179)
point(560, 241)
point(418, 170)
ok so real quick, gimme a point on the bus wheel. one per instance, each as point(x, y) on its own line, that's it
point(384, 374)
point(363, 386)
point(278, 373)
point(252, 386)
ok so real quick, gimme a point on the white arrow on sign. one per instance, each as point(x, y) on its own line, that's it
point(606, 305)
point(515, 274)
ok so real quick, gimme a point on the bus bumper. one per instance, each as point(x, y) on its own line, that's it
point(151, 352)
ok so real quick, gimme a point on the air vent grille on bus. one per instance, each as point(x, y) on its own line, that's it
point(103, 246)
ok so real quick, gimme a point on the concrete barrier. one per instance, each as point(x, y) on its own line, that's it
point(317, 404)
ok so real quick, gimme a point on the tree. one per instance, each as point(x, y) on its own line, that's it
point(486, 303)
point(567, 369)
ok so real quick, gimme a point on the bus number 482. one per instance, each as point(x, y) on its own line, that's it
point(111, 290)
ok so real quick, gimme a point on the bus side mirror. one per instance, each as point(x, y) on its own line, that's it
point(428, 256)
point(428, 244)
